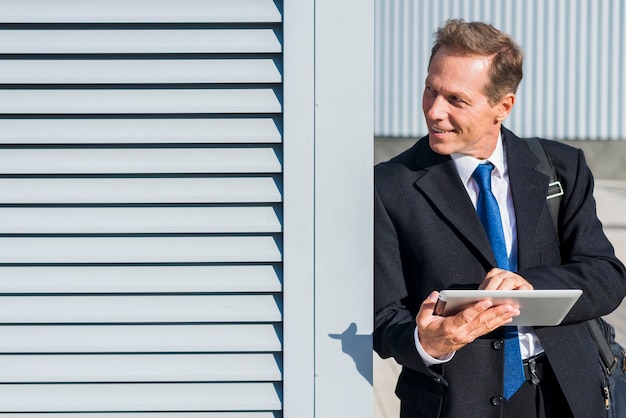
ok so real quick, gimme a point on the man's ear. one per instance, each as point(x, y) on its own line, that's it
point(505, 106)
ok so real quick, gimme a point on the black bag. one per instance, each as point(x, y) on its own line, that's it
point(611, 352)
point(612, 359)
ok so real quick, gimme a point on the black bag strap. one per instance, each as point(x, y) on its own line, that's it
point(555, 191)
point(608, 357)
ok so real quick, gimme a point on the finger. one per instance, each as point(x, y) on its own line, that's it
point(498, 315)
point(512, 281)
point(443, 335)
point(430, 302)
point(430, 329)
point(498, 279)
point(524, 286)
point(492, 279)
point(469, 314)
point(427, 308)
point(491, 319)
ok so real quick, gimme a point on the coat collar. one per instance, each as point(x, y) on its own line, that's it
point(439, 182)
point(529, 188)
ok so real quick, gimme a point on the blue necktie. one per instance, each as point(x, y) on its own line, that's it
point(489, 214)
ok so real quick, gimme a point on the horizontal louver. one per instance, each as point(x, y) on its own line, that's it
point(152, 415)
point(139, 309)
point(99, 190)
point(148, 338)
point(182, 219)
point(181, 397)
point(199, 130)
point(139, 101)
point(141, 208)
point(139, 368)
point(146, 41)
point(140, 71)
point(263, 159)
point(137, 11)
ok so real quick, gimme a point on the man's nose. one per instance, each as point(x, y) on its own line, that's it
point(435, 108)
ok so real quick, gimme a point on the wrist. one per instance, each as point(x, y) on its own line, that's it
point(428, 358)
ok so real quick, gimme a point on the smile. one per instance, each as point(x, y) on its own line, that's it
point(438, 131)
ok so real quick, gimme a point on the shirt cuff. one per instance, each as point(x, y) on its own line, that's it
point(427, 358)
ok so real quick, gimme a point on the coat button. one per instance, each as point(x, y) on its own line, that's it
point(496, 400)
point(497, 344)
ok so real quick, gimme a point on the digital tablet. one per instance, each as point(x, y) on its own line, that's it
point(537, 307)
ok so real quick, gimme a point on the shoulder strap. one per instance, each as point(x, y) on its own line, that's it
point(555, 189)
point(600, 335)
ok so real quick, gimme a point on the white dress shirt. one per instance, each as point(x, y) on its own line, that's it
point(465, 165)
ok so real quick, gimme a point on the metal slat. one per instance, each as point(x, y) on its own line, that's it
point(139, 101)
point(139, 71)
point(139, 131)
point(103, 368)
point(145, 41)
point(138, 309)
point(139, 397)
point(134, 220)
point(98, 11)
point(150, 415)
point(161, 338)
point(156, 249)
point(138, 190)
point(140, 279)
point(140, 160)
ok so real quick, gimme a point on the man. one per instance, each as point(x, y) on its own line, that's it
point(428, 237)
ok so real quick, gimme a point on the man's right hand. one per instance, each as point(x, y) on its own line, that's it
point(440, 336)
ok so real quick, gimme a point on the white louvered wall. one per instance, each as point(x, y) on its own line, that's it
point(140, 208)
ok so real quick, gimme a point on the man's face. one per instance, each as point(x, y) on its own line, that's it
point(458, 114)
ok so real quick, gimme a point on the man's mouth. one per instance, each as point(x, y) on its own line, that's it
point(436, 130)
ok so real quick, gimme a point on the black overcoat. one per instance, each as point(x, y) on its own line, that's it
point(428, 237)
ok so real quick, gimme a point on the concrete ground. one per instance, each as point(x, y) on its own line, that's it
point(611, 200)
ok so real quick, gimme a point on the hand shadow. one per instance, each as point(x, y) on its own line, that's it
point(359, 347)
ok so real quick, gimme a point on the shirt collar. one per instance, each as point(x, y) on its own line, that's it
point(465, 164)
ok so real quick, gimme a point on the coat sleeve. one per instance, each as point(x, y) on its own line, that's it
point(583, 257)
point(394, 324)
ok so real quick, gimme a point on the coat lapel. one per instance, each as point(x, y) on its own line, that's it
point(439, 182)
point(529, 189)
point(441, 185)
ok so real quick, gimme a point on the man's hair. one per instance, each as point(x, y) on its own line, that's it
point(477, 38)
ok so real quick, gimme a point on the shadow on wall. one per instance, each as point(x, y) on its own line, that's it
point(359, 347)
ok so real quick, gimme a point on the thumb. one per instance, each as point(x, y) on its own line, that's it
point(428, 305)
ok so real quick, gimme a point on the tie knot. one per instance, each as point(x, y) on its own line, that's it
point(482, 175)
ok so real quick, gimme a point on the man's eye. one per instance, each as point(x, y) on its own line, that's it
point(430, 91)
point(456, 100)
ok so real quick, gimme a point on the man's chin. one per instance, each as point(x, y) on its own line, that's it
point(440, 147)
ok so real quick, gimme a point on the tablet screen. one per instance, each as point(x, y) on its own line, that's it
point(537, 307)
